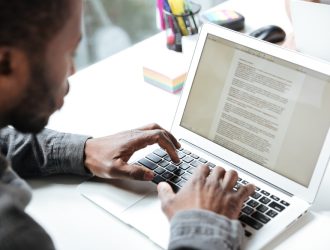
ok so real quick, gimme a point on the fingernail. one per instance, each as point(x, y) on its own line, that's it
point(148, 176)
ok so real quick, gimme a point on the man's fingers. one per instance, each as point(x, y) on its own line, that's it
point(153, 133)
point(200, 174)
point(173, 139)
point(245, 191)
point(229, 180)
point(155, 126)
point(216, 175)
point(165, 143)
point(133, 171)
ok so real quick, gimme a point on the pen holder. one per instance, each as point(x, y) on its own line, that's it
point(177, 26)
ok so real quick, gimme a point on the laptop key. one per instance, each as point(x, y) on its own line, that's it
point(148, 164)
point(163, 163)
point(178, 171)
point(175, 179)
point(247, 210)
point(191, 170)
point(167, 158)
point(160, 152)
point(186, 152)
point(167, 175)
point(195, 163)
point(181, 154)
point(187, 159)
point(211, 165)
point(276, 206)
point(285, 203)
point(256, 195)
point(253, 203)
point(202, 160)
point(171, 168)
point(181, 183)
point(159, 170)
point(264, 200)
point(260, 217)
point(271, 213)
point(250, 221)
point(186, 176)
point(184, 166)
point(265, 193)
point(154, 158)
point(157, 179)
point(194, 156)
point(275, 198)
point(262, 208)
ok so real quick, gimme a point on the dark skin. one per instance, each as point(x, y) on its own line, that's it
point(105, 157)
point(206, 190)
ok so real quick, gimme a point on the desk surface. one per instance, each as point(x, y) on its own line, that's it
point(111, 96)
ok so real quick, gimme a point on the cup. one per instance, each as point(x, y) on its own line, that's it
point(184, 24)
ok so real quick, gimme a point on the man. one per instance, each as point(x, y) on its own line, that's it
point(37, 42)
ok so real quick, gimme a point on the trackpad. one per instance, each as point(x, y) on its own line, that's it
point(147, 217)
point(115, 196)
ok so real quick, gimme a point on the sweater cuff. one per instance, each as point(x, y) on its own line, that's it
point(203, 229)
point(70, 149)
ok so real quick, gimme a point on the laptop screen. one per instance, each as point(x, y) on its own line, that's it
point(270, 111)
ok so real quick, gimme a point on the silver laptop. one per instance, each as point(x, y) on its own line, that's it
point(246, 105)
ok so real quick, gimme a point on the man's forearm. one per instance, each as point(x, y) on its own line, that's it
point(49, 152)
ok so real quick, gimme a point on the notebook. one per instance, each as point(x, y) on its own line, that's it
point(247, 105)
point(311, 27)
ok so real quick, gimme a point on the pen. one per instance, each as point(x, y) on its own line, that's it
point(160, 5)
point(177, 7)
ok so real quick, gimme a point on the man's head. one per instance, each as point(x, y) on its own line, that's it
point(37, 42)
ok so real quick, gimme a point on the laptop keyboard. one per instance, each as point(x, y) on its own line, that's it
point(257, 211)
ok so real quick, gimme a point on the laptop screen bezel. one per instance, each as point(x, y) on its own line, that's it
point(306, 193)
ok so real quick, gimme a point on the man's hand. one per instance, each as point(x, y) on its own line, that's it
point(107, 157)
point(210, 191)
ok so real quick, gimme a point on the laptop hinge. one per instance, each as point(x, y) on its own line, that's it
point(237, 167)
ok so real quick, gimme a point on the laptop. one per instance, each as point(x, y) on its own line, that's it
point(311, 27)
point(247, 105)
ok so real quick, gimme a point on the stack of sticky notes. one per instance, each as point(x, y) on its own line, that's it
point(166, 70)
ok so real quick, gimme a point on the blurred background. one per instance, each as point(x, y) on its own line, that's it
point(112, 25)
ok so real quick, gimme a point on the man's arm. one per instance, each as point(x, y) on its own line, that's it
point(52, 152)
point(47, 153)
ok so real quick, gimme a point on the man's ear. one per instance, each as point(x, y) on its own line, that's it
point(5, 65)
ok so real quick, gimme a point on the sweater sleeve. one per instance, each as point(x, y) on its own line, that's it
point(202, 229)
point(47, 153)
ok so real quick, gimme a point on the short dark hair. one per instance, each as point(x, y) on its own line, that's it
point(31, 24)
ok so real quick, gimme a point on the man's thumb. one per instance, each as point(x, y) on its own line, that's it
point(165, 192)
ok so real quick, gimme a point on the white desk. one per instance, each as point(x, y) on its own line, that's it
point(109, 97)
